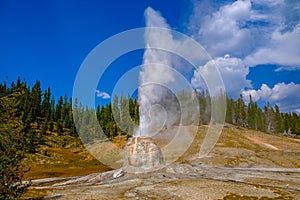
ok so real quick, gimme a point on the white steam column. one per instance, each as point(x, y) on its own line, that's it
point(141, 151)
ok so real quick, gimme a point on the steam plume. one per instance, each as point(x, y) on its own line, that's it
point(155, 73)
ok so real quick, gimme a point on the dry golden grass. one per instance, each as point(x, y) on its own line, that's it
point(242, 147)
point(62, 156)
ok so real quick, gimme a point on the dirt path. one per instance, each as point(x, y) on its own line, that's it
point(261, 143)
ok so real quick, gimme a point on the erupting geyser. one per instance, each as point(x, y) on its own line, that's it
point(142, 154)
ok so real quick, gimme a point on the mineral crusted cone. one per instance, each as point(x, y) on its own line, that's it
point(141, 153)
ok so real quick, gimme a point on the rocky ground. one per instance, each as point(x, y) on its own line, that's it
point(244, 164)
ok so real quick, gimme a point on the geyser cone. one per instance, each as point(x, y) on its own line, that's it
point(142, 154)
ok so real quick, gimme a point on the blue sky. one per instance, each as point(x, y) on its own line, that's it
point(255, 43)
point(48, 40)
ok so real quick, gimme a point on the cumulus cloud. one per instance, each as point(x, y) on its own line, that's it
point(221, 32)
point(283, 49)
point(259, 31)
point(286, 96)
point(102, 95)
point(234, 28)
point(232, 70)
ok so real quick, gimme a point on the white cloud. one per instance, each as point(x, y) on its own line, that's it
point(233, 72)
point(221, 31)
point(283, 49)
point(254, 94)
point(258, 31)
point(102, 95)
point(286, 96)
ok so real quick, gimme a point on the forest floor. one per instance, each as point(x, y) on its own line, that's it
point(244, 164)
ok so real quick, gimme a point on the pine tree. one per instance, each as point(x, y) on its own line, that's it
point(125, 120)
point(35, 101)
point(269, 113)
point(59, 127)
point(52, 104)
point(116, 110)
point(51, 125)
point(240, 112)
point(46, 106)
point(58, 109)
point(295, 123)
point(251, 114)
point(278, 120)
point(45, 128)
point(231, 109)
point(202, 107)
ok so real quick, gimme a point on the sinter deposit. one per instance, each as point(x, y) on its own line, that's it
point(142, 154)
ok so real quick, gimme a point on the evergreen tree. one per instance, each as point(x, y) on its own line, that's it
point(35, 101)
point(251, 114)
point(240, 112)
point(279, 125)
point(16, 139)
point(295, 123)
point(269, 113)
point(46, 106)
point(58, 109)
point(125, 123)
point(52, 104)
point(44, 128)
point(59, 127)
point(51, 125)
point(230, 114)
point(116, 110)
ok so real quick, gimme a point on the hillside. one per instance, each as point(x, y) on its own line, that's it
point(244, 163)
point(241, 147)
point(61, 156)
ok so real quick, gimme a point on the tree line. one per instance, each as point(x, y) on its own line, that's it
point(268, 119)
point(39, 109)
point(117, 118)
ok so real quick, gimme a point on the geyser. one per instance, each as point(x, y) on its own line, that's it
point(142, 154)
point(141, 151)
